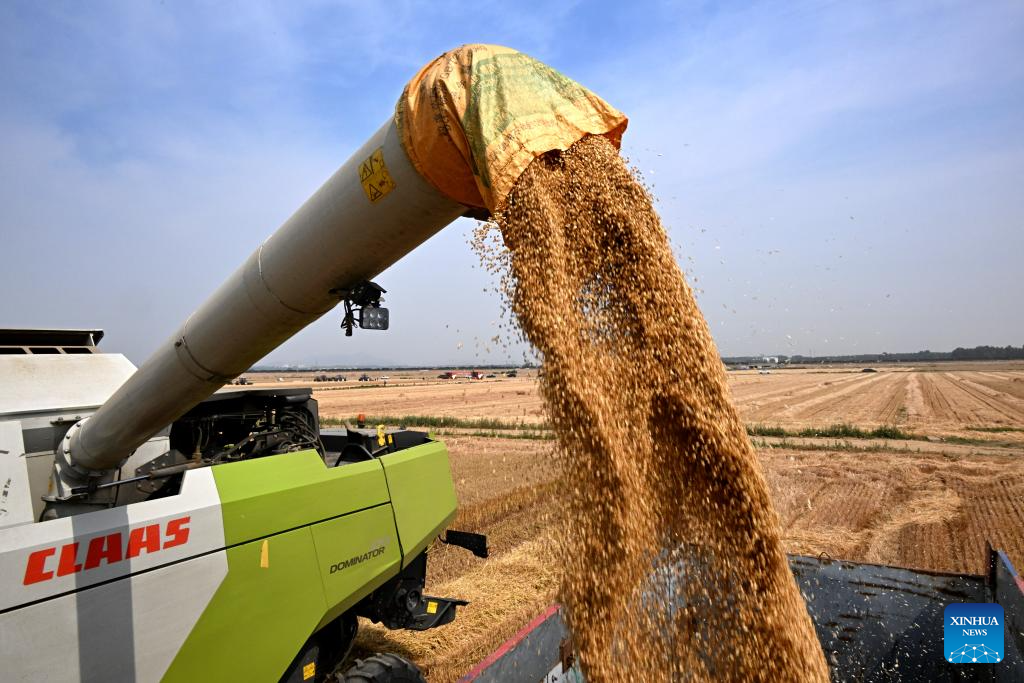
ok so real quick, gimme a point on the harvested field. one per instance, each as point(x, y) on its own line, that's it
point(926, 401)
point(929, 502)
point(510, 399)
point(925, 511)
point(930, 510)
point(933, 400)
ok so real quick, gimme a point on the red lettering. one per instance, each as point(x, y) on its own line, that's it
point(144, 539)
point(177, 532)
point(67, 565)
point(104, 549)
point(35, 569)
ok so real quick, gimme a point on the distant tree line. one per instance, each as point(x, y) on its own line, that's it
point(959, 353)
point(988, 353)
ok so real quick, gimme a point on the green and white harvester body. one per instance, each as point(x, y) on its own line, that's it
point(156, 528)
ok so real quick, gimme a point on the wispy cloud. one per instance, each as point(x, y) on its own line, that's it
point(821, 163)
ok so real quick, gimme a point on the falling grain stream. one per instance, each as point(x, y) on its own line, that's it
point(674, 569)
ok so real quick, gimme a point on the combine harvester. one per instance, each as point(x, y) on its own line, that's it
point(154, 528)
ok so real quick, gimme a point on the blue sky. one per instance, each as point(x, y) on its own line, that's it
point(835, 177)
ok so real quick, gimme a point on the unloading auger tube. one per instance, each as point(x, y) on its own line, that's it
point(464, 129)
point(337, 239)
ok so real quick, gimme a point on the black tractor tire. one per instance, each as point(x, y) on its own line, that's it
point(383, 667)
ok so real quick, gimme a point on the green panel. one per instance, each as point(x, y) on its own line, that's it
point(422, 493)
point(312, 518)
point(356, 554)
point(259, 617)
point(267, 495)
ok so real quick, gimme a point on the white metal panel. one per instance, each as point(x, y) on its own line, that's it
point(15, 490)
point(53, 381)
point(31, 566)
point(127, 630)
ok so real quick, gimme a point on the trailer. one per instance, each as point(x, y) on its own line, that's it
point(875, 623)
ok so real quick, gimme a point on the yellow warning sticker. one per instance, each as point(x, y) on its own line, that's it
point(309, 671)
point(374, 177)
point(265, 555)
point(431, 607)
point(380, 435)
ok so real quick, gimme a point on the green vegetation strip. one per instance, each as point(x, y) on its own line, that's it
point(830, 447)
point(441, 422)
point(888, 432)
point(837, 431)
point(536, 436)
point(514, 429)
